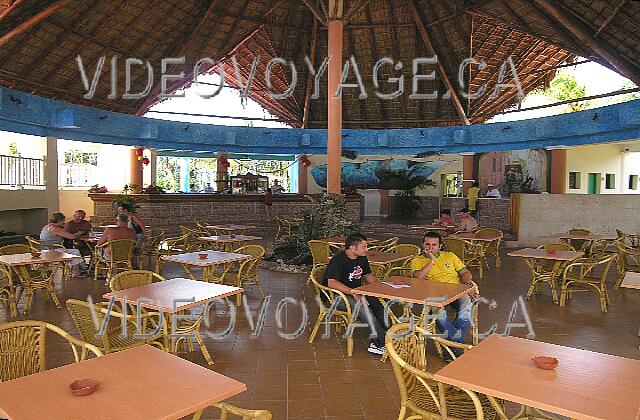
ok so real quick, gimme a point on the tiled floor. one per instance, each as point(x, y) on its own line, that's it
point(294, 379)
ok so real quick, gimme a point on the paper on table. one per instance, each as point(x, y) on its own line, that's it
point(395, 286)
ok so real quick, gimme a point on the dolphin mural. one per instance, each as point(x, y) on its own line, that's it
point(389, 174)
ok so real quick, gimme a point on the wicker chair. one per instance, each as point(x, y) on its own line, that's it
point(405, 249)
point(246, 273)
point(285, 226)
point(470, 254)
point(385, 246)
point(23, 348)
point(37, 246)
point(171, 246)
point(151, 245)
point(191, 241)
point(326, 297)
point(628, 239)
point(118, 257)
point(493, 247)
point(243, 413)
point(114, 338)
point(7, 290)
point(583, 245)
point(586, 279)
point(133, 278)
point(546, 271)
point(421, 396)
point(628, 260)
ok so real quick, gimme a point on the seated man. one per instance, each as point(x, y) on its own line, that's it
point(493, 191)
point(346, 271)
point(445, 219)
point(75, 225)
point(120, 231)
point(468, 222)
point(446, 267)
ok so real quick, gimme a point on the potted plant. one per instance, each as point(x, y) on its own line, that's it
point(127, 202)
point(153, 189)
point(407, 202)
point(97, 189)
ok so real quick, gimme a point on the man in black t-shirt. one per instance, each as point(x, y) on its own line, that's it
point(346, 271)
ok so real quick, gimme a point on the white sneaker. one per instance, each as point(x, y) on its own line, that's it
point(375, 349)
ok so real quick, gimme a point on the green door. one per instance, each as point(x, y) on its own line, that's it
point(594, 184)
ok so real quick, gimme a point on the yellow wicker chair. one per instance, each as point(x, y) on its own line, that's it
point(171, 246)
point(628, 260)
point(384, 246)
point(405, 249)
point(421, 396)
point(191, 241)
point(113, 339)
point(285, 227)
point(7, 290)
point(243, 413)
point(151, 245)
point(118, 257)
point(247, 272)
point(39, 246)
point(470, 254)
point(493, 247)
point(23, 348)
point(546, 271)
point(326, 297)
point(320, 252)
point(133, 278)
point(586, 279)
point(628, 239)
point(580, 244)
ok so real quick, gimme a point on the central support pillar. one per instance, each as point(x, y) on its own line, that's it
point(558, 171)
point(334, 123)
point(135, 168)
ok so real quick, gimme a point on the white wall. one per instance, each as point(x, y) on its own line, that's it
point(543, 215)
point(603, 159)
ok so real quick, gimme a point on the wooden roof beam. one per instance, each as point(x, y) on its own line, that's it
point(7, 11)
point(443, 74)
point(580, 32)
point(316, 13)
point(32, 21)
point(308, 86)
point(608, 20)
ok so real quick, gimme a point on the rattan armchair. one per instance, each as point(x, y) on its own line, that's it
point(472, 255)
point(285, 226)
point(546, 271)
point(133, 278)
point(243, 413)
point(326, 296)
point(37, 246)
point(628, 260)
point(384, 246)
point(493, 247)
point(171, 246)
point(320, 252)
point(115, 337)
point(247, 272)
point(151, 245)
point(191, 241)
point(583, 245)
point(113, 256)
point(421, 396)
point(628, 239)
point(582, 276)
point(405, 249)
point(7, 290)
point(23, 348)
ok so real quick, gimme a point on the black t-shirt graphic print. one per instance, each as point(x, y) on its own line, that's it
point(347, 271)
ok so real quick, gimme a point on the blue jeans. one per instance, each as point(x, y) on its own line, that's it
point(457, 330)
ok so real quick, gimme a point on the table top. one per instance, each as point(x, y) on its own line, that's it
point(419, 292)
point(431, 227)
point(545, 255)
point(470, 236)
point(386, 257)
point(162, 295)
point(213, 258)
point(584, 237)
point(585, 385)
point(45, 257)
point(229, 238)
point(631, 280)
point(339, 240)
point(231, 227)
point(139, 383)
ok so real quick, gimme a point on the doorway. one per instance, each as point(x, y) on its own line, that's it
point(594, 183)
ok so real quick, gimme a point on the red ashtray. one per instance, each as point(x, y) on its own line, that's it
point(203, 256)
point(36, 254)
point(545, 362)
point(552, 251)
point(399, 282)
point(82, 387)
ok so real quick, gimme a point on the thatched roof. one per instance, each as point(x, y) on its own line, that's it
point(41, 39)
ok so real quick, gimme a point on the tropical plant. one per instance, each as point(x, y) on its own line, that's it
point(407, 202)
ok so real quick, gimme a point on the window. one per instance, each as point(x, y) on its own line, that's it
point(610, 182)
point(633, 182)
point(574, 180)
point(79, 169)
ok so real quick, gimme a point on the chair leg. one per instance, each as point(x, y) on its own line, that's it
point(316, 327)
point(498, 261)
point(203, 348)
point(563, 295)
point(619, 280)
point(554, 291)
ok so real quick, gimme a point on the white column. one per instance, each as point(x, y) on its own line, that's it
point(51, 175)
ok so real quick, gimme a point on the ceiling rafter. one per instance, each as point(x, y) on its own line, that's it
point(608, 20)
point(9, 9)
point(32, 21)
point(316, 13)
point(312, 59)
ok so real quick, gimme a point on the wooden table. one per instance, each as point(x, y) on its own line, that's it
point(136, 384)
point(386, 257)
point(545, 255)
point(228, 241)
point(339, 240)
point(19, 263)
point(214, 258)
point(419, 291)
point(584, 237)
point(470, 236)
point(431, 227)
point(585, 385)
point(230, 228)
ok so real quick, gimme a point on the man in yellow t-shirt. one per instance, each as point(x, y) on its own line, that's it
point(446, 267)
point(473, 194)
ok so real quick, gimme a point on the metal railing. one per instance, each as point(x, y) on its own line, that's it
point(17, 171)
point(77, 175)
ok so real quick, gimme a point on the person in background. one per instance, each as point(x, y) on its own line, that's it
point(446, 267)
point(53, 233)
point(268, 202)
point(493, 191)
point(209, 188)
point(120, 231)
point(472, 196)
point(193, 188)
point(467, 222)
point(446, 219)
point(277, 188)
point(134, 222)
point(75, 225)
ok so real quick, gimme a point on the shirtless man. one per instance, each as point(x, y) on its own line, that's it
point(121, 231)
point(468, 222)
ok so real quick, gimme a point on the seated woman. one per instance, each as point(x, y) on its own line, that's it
point(53, 233)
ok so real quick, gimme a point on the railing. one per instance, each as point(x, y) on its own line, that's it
point(17, 171)
point(77, 175)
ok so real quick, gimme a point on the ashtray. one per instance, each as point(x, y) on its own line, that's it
point(399, 282)
point(36, 254)
point(545, 362)
point(82, 387)
point(203, 256)
point(552, 251)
